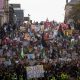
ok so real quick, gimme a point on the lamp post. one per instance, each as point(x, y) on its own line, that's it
point(29, 17)
point(15, 19)
point(29, 23)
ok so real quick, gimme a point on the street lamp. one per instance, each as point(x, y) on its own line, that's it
point(29, 17)
point(15, 19)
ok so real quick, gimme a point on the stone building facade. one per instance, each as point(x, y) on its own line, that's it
point(68, 8)
point(4, 13)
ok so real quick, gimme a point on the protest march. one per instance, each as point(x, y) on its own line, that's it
point(39, 51)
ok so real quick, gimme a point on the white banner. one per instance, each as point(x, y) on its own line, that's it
point(35, 71)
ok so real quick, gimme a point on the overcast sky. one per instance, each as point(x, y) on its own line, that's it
point(42, 9)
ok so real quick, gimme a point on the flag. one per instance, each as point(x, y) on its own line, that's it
point(43, 53)
point(22, 53)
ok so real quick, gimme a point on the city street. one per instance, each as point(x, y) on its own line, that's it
point(38, 50)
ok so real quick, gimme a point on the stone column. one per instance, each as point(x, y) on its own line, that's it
point(6, 12)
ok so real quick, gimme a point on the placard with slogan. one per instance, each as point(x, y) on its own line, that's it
point(27, 37)
point(68, 32)
point(35, 71)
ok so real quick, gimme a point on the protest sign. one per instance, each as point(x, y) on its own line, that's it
point(42, 28)
point(33, 27)
point(27, 36)
point(31, 56)
point(35, 71)
point(68, 32)
point(2, 59)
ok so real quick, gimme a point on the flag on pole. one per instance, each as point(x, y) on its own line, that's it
point(22, 53)
point(43, 53)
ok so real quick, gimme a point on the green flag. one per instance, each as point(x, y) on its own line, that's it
point(22, 53)
point(43, 53)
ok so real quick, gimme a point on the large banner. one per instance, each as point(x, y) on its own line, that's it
point(1, 5)
point(35, 71)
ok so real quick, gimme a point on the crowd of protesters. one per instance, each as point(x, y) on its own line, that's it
point(49, 46)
